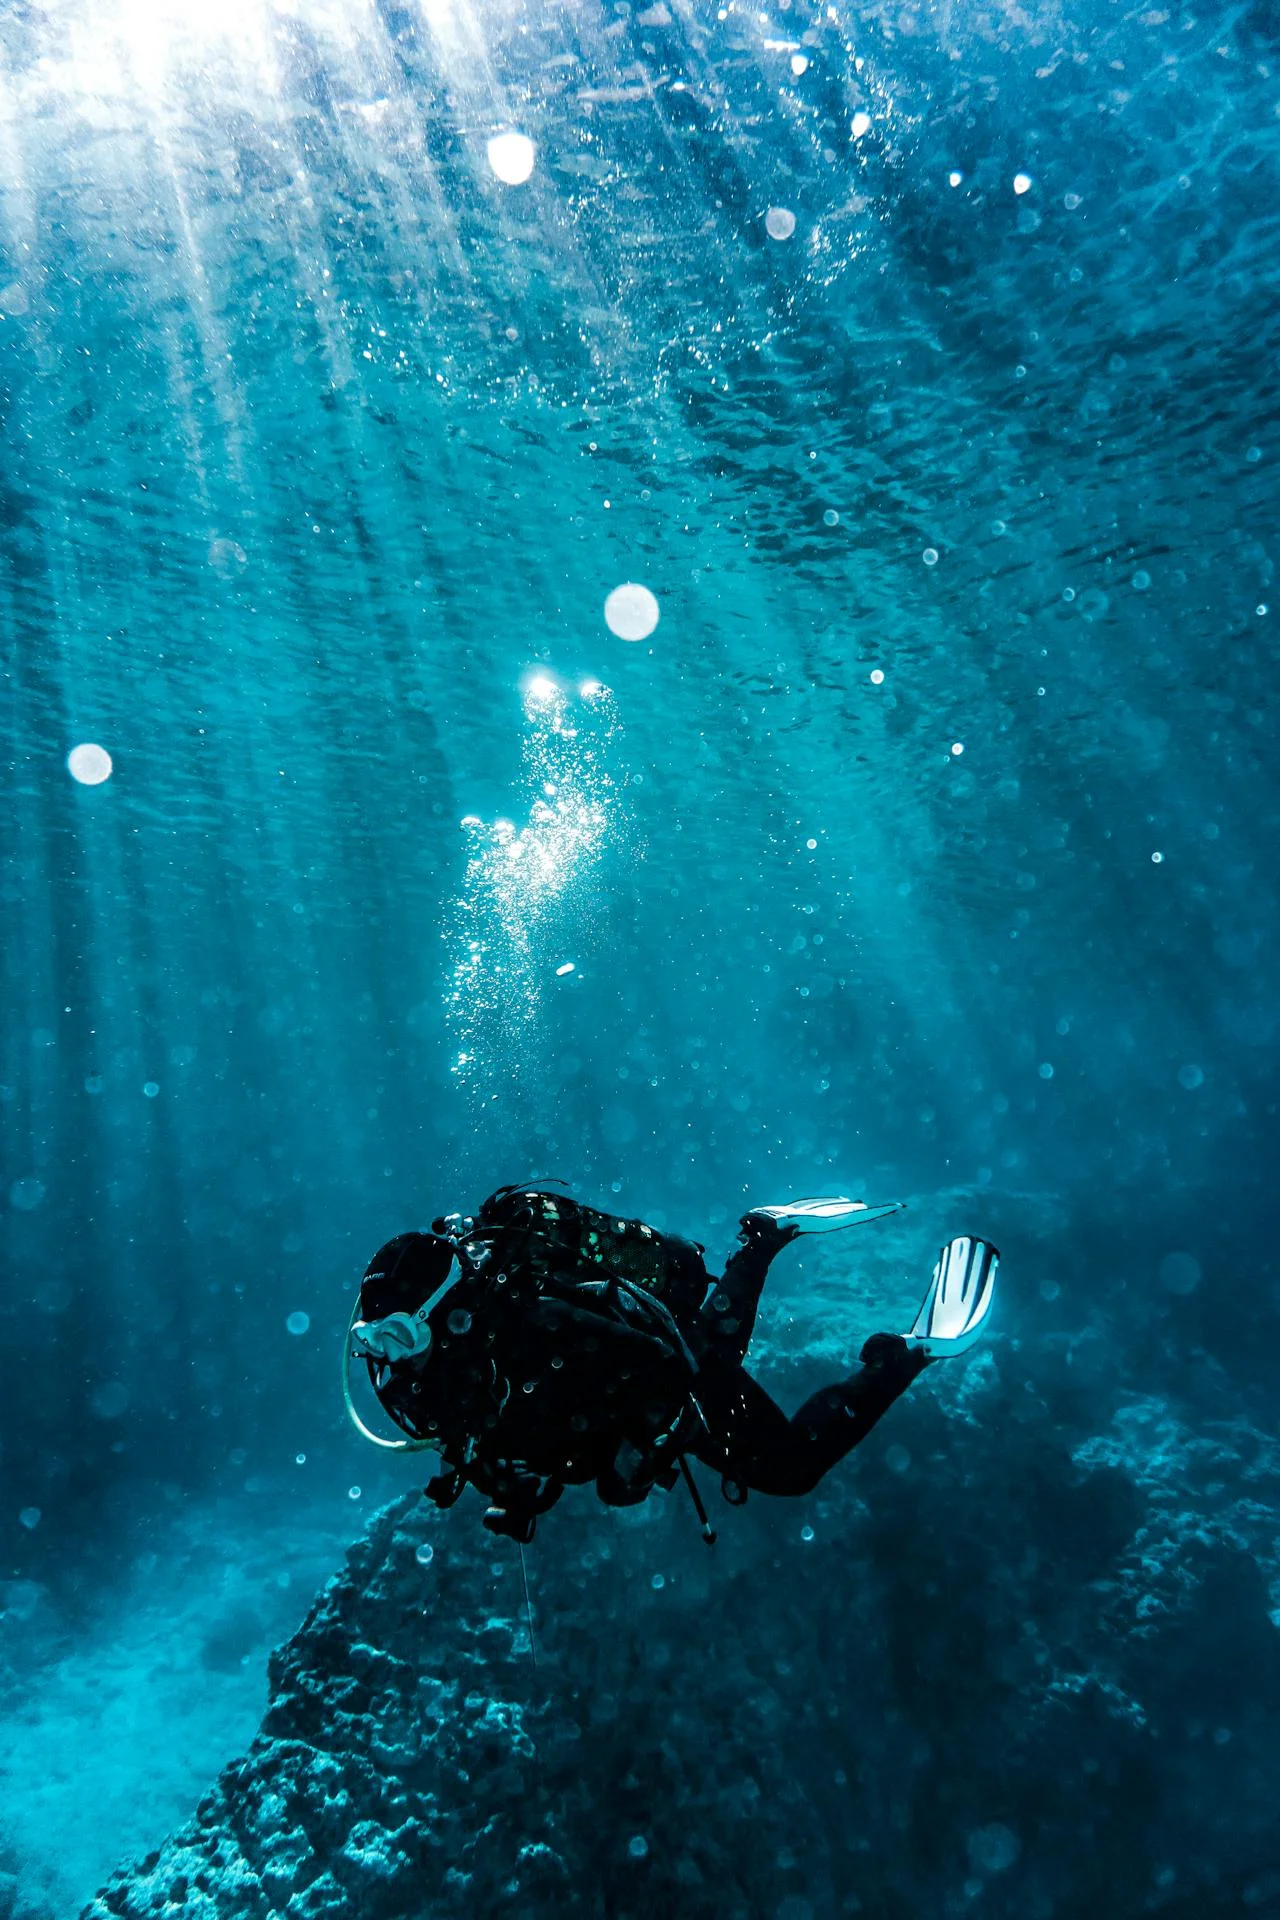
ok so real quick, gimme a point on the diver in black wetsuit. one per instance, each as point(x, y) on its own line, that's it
point(543, 1343)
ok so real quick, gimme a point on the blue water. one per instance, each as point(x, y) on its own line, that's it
point(920, 362)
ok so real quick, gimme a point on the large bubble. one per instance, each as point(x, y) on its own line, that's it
point(89, 764)
point(631, 611)
point(511, 155)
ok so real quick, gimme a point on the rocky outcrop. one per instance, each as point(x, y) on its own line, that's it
point(1002, 1666)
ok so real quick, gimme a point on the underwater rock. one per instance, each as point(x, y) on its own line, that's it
point(952, 1691)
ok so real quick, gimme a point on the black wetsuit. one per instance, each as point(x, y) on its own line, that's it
point(541, 1392)
point(748, 1438)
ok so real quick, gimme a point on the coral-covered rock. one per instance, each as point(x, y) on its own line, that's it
point(991, 1681)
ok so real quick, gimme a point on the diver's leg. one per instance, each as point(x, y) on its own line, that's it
point(727, 1320)
point(753, 1443)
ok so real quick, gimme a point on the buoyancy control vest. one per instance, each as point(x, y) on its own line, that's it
point(525, 1243)
point(558, 1241)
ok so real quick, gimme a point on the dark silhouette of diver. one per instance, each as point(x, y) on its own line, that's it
point(542, 1343)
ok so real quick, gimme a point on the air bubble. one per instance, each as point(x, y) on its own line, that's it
point(511, 155)
point(89, 763)
point(631, 611)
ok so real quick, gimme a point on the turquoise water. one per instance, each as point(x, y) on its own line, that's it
point(920, 363)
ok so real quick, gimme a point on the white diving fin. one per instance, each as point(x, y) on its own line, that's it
point(826, 1214)
point(954, 1312)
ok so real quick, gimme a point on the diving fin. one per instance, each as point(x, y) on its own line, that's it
point(954, 1312)
point(823, 1215)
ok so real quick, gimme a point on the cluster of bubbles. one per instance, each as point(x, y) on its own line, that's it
point(524, 894)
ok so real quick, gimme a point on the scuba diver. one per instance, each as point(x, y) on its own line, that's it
point(541, 1344)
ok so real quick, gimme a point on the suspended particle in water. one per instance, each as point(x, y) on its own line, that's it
point(1191, 1077)
point(300, 1459)
point(779, 223)
point(811, 844)
point(831, 518)
point(511, 155)
point(109, 1400)
point(26, 1195)
point(297, 1323)
point(930, 556)
point(1157, 859)
point(955, 177)
point(993, 1849)
point(658, 1582)
point(957, 748)
point(425, 1554)
point(897, 1459)
point(1022, 183)
point(631, 611)
point(1180, 1273)
point(1141, 580)
point(638, 1847)
point(353, 1493)
point(151, 1088)
point(877, 676)
point(1261, 610)
point(459, 1321)
point(799, 64)
point(1046, 1069)
point(562, 970)
point(860, 126)
point(30, 1518)
point(1071, 201)
point(806, 1533)
point(89, 764)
